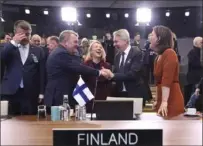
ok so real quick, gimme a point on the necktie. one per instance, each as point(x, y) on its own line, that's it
point(122, 62)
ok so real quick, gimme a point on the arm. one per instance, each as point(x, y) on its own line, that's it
point(200, 83)
point(134, 72)
point(70, 64)
point(169, 69)
point(7, 50)
point(42, 70)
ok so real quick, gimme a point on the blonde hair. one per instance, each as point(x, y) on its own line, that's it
point(123, 34)
point(89, 56)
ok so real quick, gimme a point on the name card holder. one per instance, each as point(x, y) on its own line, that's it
point(107, 137)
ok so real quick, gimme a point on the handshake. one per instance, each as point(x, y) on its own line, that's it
point(106, 73)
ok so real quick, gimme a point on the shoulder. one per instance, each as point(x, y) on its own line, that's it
point(8, 45)
point(135, 50)
point(118, 53)
point(170, 54)
point(36, 48)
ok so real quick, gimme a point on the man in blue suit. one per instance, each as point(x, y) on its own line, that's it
point(23, 79)
point(63, 70)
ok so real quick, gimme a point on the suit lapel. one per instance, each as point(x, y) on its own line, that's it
point(129, 57)
point(118, 57)
point(18, 54)
point(30, 52)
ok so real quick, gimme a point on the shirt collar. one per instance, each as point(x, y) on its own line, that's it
point(25, 46)
point(127, 50)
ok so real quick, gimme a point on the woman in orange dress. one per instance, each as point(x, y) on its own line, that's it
point(169, 101)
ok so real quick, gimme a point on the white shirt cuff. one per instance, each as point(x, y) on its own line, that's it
point(14, 43)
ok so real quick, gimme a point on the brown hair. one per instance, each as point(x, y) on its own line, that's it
point(165, 38)
point(54, 38)
point(22, 24)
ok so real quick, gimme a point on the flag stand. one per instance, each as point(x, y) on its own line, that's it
point(93, 100)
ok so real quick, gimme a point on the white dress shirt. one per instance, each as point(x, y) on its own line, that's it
point(126, 52)
point(24, 50)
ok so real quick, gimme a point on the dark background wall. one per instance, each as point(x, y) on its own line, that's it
point(98, 24)
point(186, 28)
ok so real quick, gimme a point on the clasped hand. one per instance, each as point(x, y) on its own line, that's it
point(106, 73)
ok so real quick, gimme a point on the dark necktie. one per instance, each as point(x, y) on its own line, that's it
point(122, 62)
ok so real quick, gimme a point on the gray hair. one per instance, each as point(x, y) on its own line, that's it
point(197, 41)
point(36, 36)
point(123, 34)
point(22, 24)
point(65, 33)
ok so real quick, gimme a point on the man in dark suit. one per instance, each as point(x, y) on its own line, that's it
point(63, 70)
point(128, 68)
point(2, 62)
point(23, 80)
point(136, 42)
point(109, 48)
point(195, 70)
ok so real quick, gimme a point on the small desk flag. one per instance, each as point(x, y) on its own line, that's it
point(81, 93)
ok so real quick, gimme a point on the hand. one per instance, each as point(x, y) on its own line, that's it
point(109, 74)
point(154, 105)
point(40, 98)
point(19, 37)
point(163, 109)
point(102, 73)
point(197, 92)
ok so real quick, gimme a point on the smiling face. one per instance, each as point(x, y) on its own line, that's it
point(71, 42)
point(119, 43)
point(97, 50)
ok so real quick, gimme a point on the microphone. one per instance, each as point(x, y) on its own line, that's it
point(93, 100)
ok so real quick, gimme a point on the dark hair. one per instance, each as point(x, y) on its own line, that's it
point(22, 24)
point(54, 38)
point(165, 38)
point(137, 33)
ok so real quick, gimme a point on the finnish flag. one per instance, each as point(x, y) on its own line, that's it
point(81, 93)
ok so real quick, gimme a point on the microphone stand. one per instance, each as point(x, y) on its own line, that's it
point(93, 101)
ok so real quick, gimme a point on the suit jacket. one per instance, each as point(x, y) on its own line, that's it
point(136, 44)
point(32, 72)
point(2, 62)
point(63, 70)
point(110, 51)
point(195, 70)
point(132, 76)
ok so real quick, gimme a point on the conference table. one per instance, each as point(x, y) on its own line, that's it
point(27, 130)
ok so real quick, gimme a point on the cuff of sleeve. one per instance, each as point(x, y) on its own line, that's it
point(14, 43)
point(41, 96)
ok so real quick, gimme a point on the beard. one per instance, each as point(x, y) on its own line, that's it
point(24, 42)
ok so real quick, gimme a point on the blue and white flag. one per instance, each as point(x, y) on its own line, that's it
point(81, 93)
